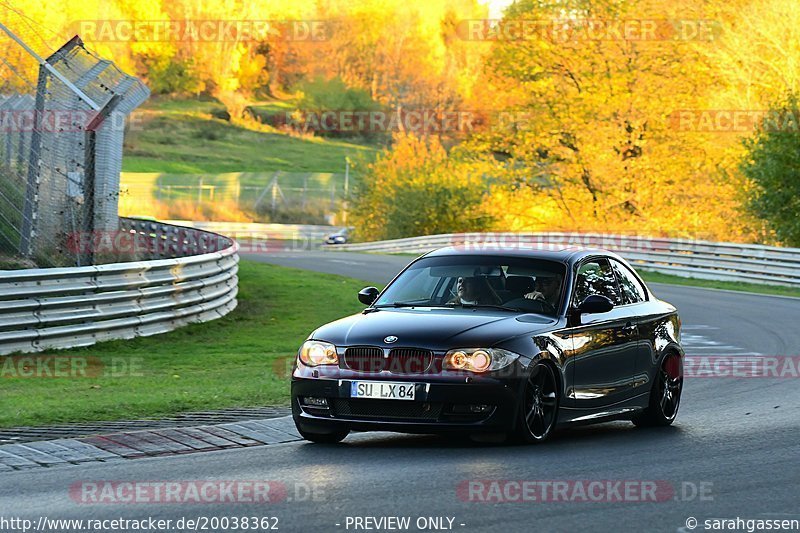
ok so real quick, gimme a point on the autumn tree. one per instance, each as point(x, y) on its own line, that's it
point(402, 51)
point(589, 135)
point(417, 188)
point(756, 54)
point(772, 163)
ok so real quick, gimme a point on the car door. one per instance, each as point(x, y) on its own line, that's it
point(604, 344)
point(636, 299)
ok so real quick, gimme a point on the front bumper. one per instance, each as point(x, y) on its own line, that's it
point(439, 406)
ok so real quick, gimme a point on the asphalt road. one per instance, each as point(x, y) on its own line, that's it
point(733, 452)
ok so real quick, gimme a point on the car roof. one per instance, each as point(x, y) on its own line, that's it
point(564, 254)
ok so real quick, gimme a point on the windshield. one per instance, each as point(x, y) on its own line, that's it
point(512, 283)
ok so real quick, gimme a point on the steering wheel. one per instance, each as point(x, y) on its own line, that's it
point(525, 305)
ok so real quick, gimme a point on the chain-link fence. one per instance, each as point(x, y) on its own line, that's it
point(277, 197)
point(62, 118)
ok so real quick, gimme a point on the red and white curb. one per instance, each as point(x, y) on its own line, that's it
point(146, 443)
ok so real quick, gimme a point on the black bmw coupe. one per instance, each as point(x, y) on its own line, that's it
point(494, 340)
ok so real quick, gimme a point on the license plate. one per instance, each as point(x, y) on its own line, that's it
point(381, 390)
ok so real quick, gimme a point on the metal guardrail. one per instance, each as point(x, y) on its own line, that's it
point(750, 263)
point(55, 308)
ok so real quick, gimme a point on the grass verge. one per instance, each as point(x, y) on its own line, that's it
point(240, 360)
point(187, 137)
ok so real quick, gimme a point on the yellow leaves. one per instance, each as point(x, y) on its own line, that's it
point(756, 57)
point(598, 134)
point(418, 188)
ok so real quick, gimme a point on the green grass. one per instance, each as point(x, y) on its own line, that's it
point(9, 243)
point(656, 277)
point(203, 105)
point(240, 360)
point(183, 137)
point(242, 187)
point(264, 111)
point(12, 198)
point(14, 263)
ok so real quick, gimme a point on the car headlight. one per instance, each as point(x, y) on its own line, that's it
point(478, 359)
point(315, 353)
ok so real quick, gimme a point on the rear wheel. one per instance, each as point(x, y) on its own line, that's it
point(665, 397)
point(539, 405)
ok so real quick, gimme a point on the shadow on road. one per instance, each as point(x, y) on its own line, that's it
point(608, 436)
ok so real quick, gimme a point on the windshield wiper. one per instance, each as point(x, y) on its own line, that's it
point(398, 304)
point(488, 306)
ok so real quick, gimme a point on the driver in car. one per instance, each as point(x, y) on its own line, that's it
point(547, 290)
point(470, 291)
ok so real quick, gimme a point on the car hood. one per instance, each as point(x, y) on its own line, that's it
point(436, 329)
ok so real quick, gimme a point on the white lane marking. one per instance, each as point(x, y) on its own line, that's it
point(702, 341)
point(695, 343)
point(716, 347)
point(342, 261)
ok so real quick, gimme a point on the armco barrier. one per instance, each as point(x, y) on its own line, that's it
point(54, 308)
point(681, 257)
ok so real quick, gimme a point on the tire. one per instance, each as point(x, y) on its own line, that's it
point(324, 438)
point(665, 396)
point(539, 403)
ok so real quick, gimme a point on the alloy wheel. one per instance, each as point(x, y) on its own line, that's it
point(541, 402)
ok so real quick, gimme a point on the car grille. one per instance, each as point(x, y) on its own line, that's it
point(400, 360)
point(364, 358)
point(399, 409)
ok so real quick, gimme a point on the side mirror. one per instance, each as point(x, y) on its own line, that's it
point(368, 295)
point(595, 303)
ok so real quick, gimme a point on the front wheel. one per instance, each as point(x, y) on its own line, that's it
point(539, 405)
point(665, 397)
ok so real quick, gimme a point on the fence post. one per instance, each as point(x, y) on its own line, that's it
point(90, 176)
point(29, 211)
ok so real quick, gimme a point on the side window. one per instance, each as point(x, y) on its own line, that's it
point(632, 290)
point(595, 276)
point(443, 290)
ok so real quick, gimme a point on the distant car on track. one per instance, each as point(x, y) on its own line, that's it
point(517, 342)
point(341, 236)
